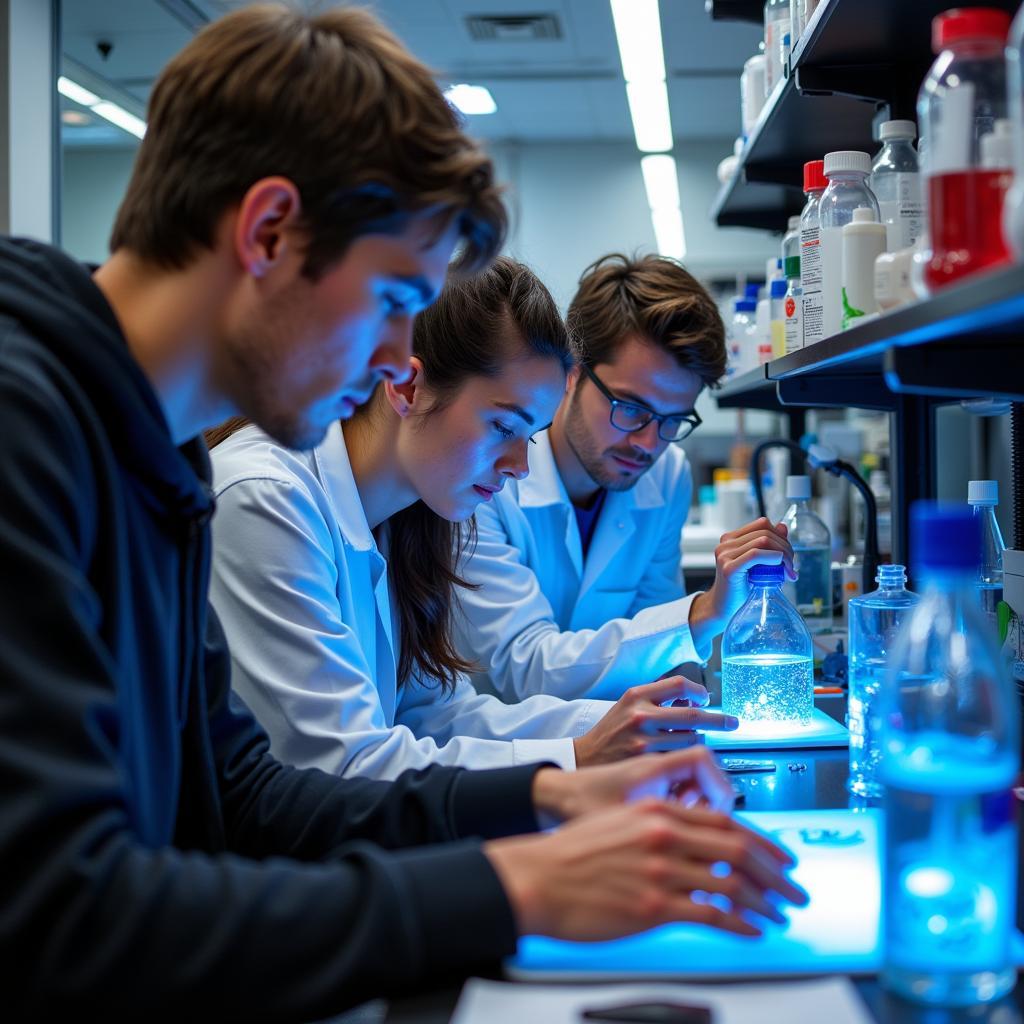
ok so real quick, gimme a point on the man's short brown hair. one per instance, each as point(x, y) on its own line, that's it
point(332, 102)
point(653, 297)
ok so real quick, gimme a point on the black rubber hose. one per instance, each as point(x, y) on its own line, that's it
point(755, 465)
point(1017, 472)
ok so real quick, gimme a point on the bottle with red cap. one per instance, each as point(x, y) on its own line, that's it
point(812, 303)
point(959, 104)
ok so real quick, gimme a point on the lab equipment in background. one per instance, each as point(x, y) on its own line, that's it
point(776, 25)
point(767, 662)
point(733, 498)
point(983, 497)
point(763, 320)
point(778, 317)
point(893, 285)
point(863, 243)
point(821, 457)
point(727, 167)
point(812, 557)
point(752, 92)
point(764, 501)
point(847, 172)
point(896, 182)
point(961, 99)
point(949, 726)
point(1013, 204)
point(796, 22)
point(812, 322)
point(708, 507)
point(742, 340)
point(874, 622)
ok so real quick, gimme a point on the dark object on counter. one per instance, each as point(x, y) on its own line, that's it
point(652, 1013)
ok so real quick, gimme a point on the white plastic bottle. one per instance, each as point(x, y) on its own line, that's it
point(742, 337)
point(776, 25)
point(811, 315)
point(896, 182)
point(847, 172)
point(863, 243)
point(764, 327)
point(752, 92)
point(778, 317)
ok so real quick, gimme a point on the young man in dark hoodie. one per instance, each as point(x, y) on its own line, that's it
point(295, 202)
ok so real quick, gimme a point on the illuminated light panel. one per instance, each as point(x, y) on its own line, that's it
point(668, 232)
point(76, 93)
point(638, 33)
point(838, 862)
point(472, 100)
point(661, 180)
point(648, 108)
point(821, 731)
point(119, 116)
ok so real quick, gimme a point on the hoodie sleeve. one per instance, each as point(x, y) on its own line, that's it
point(96, 922)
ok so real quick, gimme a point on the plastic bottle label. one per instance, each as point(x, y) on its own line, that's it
point(832, 280)
point(794, 323)
point(810, 260)
point(903, 216)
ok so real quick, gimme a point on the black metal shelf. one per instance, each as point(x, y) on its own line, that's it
point(735, 10)
point(965, 342)
point(854, 58)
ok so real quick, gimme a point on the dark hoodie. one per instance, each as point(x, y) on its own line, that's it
point(150, 847)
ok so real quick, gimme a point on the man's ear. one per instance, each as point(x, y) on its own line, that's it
point(265, 227)
point(572, 379)
point(402, 395)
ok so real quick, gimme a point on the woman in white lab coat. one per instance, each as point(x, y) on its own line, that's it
point(334, 569)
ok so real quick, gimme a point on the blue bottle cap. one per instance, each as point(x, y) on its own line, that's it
point(779, 288)
point(944, 537)
point(745, 305)
point(767, 573)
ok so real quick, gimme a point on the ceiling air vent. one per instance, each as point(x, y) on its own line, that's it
point(513, 28)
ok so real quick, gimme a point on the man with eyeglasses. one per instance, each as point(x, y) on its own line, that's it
point(578, 587)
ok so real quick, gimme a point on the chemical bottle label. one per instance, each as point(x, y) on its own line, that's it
point(810, 260)
point(794, 325)
point(812, 314)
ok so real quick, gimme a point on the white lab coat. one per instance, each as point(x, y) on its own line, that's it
point(544, 620)
point(302, 591)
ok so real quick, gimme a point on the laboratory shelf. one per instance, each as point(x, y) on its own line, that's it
point(736, 10)
point(855, 61)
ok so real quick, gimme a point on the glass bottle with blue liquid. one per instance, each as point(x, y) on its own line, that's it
point(949, 731)
point(875, 620)
point(767, 664)
point(812, 557)
point(983, 497)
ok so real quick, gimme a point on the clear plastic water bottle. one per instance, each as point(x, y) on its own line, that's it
point(767, 660)
point(874, 620)
point(847, 172)
point(896, 182)
point(950, 731)
point(983, 497)
point(812, 556)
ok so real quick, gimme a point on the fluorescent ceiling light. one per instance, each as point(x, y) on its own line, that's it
point(76, 93)
point(471, 99)
point(119, 116)
point(661, 181)
point(638, 31)
point(668, 232)
point(648, 107)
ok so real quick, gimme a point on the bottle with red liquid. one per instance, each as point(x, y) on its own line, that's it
point(959, 104)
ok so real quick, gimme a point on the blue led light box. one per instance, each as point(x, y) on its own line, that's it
point(838, 932)
point(820, 731)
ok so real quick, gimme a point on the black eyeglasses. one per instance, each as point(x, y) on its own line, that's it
point(630, 417)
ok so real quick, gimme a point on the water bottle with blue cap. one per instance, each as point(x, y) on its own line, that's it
point(949, 732)
point(767, 660)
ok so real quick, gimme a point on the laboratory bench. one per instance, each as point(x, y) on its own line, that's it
point(802, 779)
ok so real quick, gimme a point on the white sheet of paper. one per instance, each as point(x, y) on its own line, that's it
point(790, 1002)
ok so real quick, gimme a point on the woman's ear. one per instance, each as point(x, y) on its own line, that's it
point(402, 396)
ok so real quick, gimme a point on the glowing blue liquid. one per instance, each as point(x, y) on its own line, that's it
point(866, 678)
point(948, 871)
point(812, 592)
point(768, 687)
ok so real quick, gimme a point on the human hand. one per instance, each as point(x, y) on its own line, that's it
point(689, 776)
point(758, 543)
point(627, 869)
point(640, 722)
